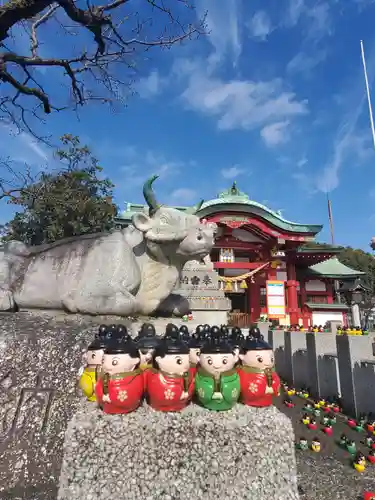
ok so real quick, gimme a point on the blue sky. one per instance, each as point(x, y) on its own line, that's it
point(273, 98)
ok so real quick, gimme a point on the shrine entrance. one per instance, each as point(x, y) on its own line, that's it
point(239, 302)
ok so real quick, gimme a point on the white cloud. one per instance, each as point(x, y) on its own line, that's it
point(319, 20)
point(22, 147)
point(294, 12)
point(237, 104)
point(302, 162)
point(304, 62)
point(143, 165)
point(275, 133)
point(315, 15)
point(223, 24)
point(184, 195)
point(348, 145)
point(260, 25)
point(351, 146)
point(232, 172)
point(150, 86)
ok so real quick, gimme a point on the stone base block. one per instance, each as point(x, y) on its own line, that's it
point(245, 453)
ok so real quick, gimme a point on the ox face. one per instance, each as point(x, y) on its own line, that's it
point(184, 234)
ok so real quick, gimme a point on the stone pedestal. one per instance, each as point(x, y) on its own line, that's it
point(245, 453)
point(199, 284)
point(357, 373)
point(322, 364)
point(296, 359)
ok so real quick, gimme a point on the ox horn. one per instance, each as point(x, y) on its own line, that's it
point(195, 208)
point(149, 194)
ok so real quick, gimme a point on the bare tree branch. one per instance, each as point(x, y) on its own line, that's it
point(35, 26)
point(14, 182)
point(102, 71)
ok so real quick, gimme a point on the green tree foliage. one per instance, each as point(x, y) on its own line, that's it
point(73, 201)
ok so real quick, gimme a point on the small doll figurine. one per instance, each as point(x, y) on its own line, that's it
point(195, 345)
point(93, 359)
point(184, 333)
point(147, 342)
point(259, 381)
point(120, 388)
point(217, 383)
point(236, 339)
point(170, 384)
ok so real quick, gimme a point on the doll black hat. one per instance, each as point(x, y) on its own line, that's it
point(254, 332)
point(216, 344)
point(199, 329)
point(111, 331)
point(171, 343)
point(224, 330)
point(100, 341)
point(171, 330)
point(206, 328)
point(196, 341)
point(255, 342)
point(121, 330)
point(102, 330)
point(236, 337)
point(147, 338)
point(147, 330)
point(122, 343)
point(184, 333)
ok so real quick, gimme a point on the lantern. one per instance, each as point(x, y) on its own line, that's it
point(243, 285)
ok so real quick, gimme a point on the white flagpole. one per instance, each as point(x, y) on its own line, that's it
point(368, 93)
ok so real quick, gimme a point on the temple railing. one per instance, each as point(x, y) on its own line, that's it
point(239, 319)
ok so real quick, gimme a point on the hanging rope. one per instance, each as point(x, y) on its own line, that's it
point(232, 279)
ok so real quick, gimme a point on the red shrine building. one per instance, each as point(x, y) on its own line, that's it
point(269, 266)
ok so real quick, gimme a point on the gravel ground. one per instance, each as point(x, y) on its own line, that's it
point(328, 474)
point(245, 453)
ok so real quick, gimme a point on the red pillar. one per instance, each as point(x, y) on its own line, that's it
point(292, 294)
point(329, 288)
point(305, 313)
point(254, 301)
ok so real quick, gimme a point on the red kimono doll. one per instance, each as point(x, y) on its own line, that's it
point(170, 385)
point(121, 385)
point(259, 381)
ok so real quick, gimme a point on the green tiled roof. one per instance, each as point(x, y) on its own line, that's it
point(320, 249)
point(340, 307)
point(236, 201)
point(333, 268)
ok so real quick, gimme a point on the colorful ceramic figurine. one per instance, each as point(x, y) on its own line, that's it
point(121, 385)
point(195, 345)
point(302, 444)
point(93, 359)
point(146, 343)
point(259, 381)
point(184, 333)
point(170, 384)
point(236, 340)
point(217, 383)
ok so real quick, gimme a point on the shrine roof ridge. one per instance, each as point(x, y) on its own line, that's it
point(238, 203)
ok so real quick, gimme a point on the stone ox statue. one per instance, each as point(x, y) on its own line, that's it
point(124, 272)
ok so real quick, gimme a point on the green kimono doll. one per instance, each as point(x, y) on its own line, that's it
point(217, 384)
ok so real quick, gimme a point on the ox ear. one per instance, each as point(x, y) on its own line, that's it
point(142, 222)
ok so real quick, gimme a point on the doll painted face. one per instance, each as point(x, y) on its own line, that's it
point(119, 363)
point(146, 355)
point(217, 362)
point(194, 354)
point(94, 357)
point(173, 363)
point(258, 359)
